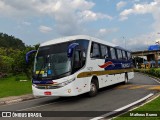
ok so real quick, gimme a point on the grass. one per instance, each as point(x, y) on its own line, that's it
point(152, 107)
point(11, 86)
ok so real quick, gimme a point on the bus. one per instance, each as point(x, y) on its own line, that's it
point(73, 65)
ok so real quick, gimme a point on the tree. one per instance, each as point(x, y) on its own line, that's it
point(7, 41)
point(20, 65)
point(12, 55)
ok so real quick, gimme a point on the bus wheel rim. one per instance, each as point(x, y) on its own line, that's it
point(93, 87)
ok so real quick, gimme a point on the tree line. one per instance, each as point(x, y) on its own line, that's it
point(12, 56)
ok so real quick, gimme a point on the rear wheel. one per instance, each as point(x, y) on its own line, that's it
point(93, 88)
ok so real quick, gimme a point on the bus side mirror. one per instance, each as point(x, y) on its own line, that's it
point(29, 53)
point(70, 49)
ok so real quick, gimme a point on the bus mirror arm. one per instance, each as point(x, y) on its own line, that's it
point(28, 54)
point(71, 48)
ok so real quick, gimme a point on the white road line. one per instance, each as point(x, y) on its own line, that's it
point(155, 80)
point(122, 108)
point(97, 118)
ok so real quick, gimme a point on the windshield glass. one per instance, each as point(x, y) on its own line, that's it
point(52, 62)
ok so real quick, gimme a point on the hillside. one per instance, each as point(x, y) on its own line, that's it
point(12, 56)
point(7, 41)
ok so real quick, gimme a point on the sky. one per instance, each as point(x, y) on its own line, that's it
point(132, 24)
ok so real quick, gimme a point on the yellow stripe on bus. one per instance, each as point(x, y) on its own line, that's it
point(104, 72)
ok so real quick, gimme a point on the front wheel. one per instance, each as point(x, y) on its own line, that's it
point(93, 89)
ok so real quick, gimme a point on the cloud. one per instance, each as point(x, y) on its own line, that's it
point(146, 8)
point(120, 5)
point(88, 15)
point(103, 32)
point(137, 43)
point(152, 8)
point(45, 29)
point(69, 16)
point(26, 23)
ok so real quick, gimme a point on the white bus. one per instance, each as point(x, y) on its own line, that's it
point(74, 65)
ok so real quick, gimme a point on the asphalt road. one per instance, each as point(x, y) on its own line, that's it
point(108, 99)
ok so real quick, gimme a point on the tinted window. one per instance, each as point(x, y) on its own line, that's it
point(104, 51)
point(119, 53)
point(113, 53)
point(124, 55)
point(95, 52)
point(129, 55)
point(77, 62)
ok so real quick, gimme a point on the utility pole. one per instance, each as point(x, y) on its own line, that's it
point(124, 39)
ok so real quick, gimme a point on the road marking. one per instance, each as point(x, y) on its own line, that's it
point(97, 118)
point(138, 106)
point(124, 86)
point(132, 87)
point(156, 80)
point(136, 87)
point(123, 108)
point(155, 88)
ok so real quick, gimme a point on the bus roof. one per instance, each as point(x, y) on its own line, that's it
point(70, 38)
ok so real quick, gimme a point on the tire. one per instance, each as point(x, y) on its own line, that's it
point(93, 88)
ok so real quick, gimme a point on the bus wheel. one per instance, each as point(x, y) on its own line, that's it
point(93, 88)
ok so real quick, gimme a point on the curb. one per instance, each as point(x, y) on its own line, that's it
point(153, 77)
point(127, 109)
point(113, 116)
point(16, 99)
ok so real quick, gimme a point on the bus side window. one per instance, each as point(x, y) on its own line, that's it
point(95, 51)
point(113, 53)
point(124, 55)
point(119, 53)
point(129, 55)
point(104, 51)
point(77, 62)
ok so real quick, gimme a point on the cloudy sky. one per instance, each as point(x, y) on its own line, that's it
point(133, 24)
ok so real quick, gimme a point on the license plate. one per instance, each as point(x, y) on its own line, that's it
point(47, 93)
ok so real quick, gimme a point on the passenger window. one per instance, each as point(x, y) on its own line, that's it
point(124, 55)
point(104, 51)
point(119, 53)
point(113, 53)
point(95, 52)
point(77, 62)
point(129, 55)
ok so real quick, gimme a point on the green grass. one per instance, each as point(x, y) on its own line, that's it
point(11, 86)
point(151, 106)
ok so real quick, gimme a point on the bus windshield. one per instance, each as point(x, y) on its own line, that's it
point(52, 62)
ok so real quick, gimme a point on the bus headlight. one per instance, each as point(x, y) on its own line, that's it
point(66, 82)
